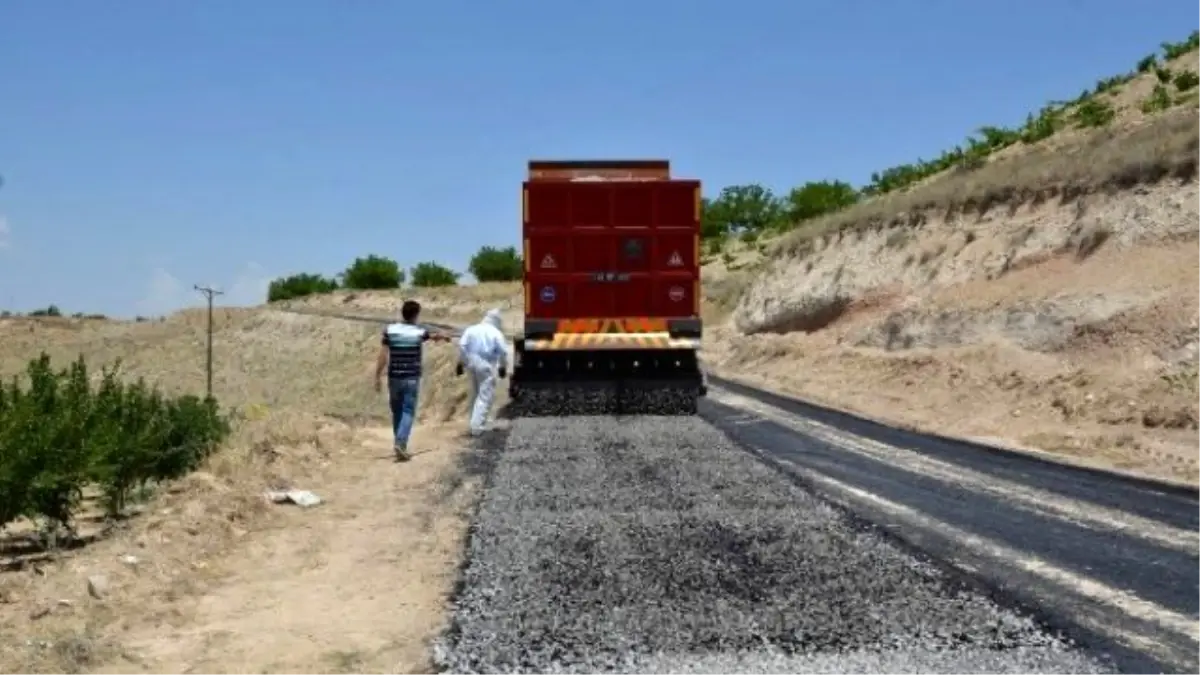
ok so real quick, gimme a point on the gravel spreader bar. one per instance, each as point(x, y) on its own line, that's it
point(652, 544)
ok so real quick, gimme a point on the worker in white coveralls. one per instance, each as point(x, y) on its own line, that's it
point(483, 354)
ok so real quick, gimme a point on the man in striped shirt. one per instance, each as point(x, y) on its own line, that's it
point(400, 356)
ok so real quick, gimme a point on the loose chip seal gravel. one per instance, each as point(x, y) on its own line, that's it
point(652, 544)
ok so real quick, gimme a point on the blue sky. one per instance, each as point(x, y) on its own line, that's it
point(147, 146)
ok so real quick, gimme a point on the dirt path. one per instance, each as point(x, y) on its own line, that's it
point(357, 584)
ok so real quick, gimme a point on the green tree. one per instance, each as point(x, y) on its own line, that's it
point(373, 272)
point(59, 433)
point(52, 310)
point(1186, 80)
point(818, 198)
point(1158, 101)
point(742, 208)
point(1044, 125)
point(430, 274)
point(495, 264)
point(713, 224)
point(1094, 113)
point(299, 285)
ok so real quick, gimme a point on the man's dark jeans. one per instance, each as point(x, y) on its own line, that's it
point(402, 398)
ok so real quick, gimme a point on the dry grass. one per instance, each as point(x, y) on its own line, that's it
point(455, 304)
point(1107, 160)
point(306, 416)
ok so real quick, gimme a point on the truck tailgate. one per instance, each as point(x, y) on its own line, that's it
point(611, 248)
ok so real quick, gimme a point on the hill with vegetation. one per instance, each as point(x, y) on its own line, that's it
point(1036, 285)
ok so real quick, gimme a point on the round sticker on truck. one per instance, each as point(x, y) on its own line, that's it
point(548, 295)
point(676, 293)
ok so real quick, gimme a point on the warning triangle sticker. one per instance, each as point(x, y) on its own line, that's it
point(548, 262)
point(675, 260)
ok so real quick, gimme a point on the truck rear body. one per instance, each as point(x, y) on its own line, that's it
point(612, 286)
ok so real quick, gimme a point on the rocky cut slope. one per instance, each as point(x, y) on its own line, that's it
point(1046, 296)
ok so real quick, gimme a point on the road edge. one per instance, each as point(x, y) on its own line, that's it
point(1166, 485)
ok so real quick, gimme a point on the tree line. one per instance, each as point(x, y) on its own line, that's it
point(60, 433)
point(377, 272)
point(752, 209)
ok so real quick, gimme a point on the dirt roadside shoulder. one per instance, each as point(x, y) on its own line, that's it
point(359, 583)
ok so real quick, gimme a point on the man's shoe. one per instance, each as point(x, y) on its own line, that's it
point(401, 453)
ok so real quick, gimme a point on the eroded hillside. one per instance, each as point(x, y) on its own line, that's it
point(1046, 297)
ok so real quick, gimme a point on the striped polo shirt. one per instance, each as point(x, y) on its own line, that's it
point(404, 341)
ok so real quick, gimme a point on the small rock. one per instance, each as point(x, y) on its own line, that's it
point(131, 560)
point(38, 613)
point(97, 586)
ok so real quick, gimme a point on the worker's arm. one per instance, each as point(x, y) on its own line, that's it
point(436, 337)
point(503, 347)
point(463, 341)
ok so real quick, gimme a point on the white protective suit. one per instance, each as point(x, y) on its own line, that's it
point(482, 349)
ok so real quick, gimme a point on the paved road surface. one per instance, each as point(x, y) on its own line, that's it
point(1114, 562)
point(1113, 559)
point(654, 544)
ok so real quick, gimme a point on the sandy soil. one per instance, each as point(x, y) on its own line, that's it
point(1042, 359)
point(358, 584)
point(208, 577)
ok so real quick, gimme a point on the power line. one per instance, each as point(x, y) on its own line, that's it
point(209, 294)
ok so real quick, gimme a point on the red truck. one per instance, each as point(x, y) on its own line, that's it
point(612, 285)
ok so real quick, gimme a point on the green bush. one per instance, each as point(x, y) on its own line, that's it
point(52, 310)
point(298, 286)
point(373, 272)
point(1186, 80)
point(495, 264)
point(818, 198)
point(1173, 50)
point(431, 274)
point(1158, 101)
point(59, 434)
point(1094, 113)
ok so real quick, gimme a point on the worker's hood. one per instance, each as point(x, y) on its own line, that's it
point(493, 317)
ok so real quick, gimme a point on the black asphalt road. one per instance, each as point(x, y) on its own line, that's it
point(1113, 561)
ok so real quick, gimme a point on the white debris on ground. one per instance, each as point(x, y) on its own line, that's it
point(301, 498)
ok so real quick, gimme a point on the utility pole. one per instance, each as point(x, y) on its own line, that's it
point(209, 294)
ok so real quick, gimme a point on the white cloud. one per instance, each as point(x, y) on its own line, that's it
point(5, 232)
point(165, 293)
point(249, 287)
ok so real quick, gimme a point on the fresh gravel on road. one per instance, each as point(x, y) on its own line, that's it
point(652, 544)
